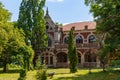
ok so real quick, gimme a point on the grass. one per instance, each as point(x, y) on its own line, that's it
point(63, 74)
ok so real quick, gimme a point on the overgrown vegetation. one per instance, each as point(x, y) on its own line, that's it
point(41, 70)
point(23, 74)
point(107, 16)
point(11, 42)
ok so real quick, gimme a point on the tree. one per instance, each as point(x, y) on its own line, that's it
point(31, 20)
point(4, 17)
point(11, 40)
point(72, 54)
point(7, 41)
point(107, 16)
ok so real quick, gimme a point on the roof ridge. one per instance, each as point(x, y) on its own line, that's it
point(78, 22)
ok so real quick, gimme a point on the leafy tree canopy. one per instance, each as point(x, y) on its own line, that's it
point(107, 16)
point(11, 39)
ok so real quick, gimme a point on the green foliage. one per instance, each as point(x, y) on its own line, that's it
point(12, 65)
point(12, 41)
point(116, 63)
point(72, 54)
point(4, 26)
point(107, 16)
point(31, 20)
point(118, 78)
point(23, 73)
point(4, 14)
point(41, 70)
point(74, 61)
point(41, 75)
point(40, 65)
point(26, 57)
point(11, 44)
point(11, 38)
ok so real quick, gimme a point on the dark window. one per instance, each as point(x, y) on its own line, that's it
point(66, 40)
point(42, 61)
point(51, 60)
point(47, 27)
point(93, 56)
point(91, 39)
point(49, 42)
point(90, 57)
point(79, 39)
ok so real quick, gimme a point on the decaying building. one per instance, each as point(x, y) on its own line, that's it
point(84, 37)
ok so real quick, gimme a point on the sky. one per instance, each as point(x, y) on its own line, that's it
point(61, 11)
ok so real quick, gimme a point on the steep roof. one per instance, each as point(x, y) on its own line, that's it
point(80, 26)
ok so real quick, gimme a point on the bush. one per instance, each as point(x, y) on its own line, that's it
point(41, 70)
point(23, 73)
point(118, 78)
point(41, 75)
point(116, 63)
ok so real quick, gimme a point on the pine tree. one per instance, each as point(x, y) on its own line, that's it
point(72, 54)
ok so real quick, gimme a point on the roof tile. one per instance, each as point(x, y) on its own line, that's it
point(80, 25)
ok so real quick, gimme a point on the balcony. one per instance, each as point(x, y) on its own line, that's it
point(85, 45)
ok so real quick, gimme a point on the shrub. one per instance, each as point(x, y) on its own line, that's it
point(41, 75)
point(118, 78)
point(41, 70)
point(116, 63)
point(23, 73)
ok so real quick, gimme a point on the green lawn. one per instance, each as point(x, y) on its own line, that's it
point(63, 74)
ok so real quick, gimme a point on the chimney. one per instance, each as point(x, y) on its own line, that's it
point(73, 28)
point(86, 27)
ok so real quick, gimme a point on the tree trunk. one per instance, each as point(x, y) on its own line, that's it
point(103, 66)
point(5, 67)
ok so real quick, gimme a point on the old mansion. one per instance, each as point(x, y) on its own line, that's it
point(84, 37)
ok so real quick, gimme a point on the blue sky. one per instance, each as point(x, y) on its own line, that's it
point(62, 11)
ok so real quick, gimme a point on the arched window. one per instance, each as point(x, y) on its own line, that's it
point(47, 27)
point(61, 57)
point(49, 42)
point(91, 38)
point(66, 40)
point(79, 39)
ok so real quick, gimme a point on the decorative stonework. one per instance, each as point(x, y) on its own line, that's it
point(59, 49)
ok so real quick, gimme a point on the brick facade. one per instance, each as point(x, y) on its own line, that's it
point(56, 54)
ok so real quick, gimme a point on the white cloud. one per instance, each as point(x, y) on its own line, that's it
point(55, 0)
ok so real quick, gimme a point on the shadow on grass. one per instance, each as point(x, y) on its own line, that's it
point(10, 71)
point(93, 76)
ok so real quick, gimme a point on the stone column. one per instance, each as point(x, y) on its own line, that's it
point(49, 58)
point(98, 62)
point(82, 60)
point(54, 60)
